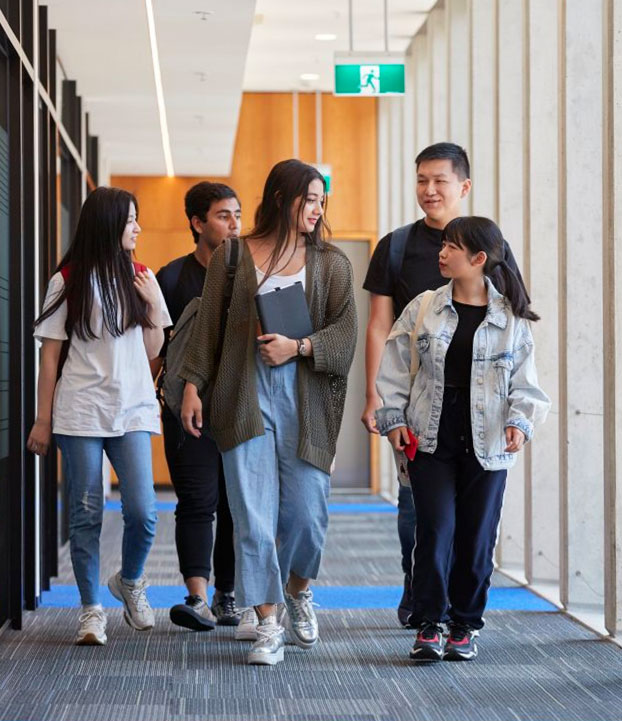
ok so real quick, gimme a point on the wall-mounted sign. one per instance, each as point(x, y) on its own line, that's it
point(327, 173)
point(367, 74)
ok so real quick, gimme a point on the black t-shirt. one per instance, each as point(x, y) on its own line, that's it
point(419, 272)
point(460, 352)
point(181, 281)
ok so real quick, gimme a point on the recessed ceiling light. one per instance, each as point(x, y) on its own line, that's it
point(309, 76)
point(326, 36)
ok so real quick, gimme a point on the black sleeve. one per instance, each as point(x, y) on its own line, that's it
point(161, 278)
point(378, 279)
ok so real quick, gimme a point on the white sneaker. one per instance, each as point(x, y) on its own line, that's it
point(268, 649)
point(246, 630)
point(137, 611)
point(92, 631)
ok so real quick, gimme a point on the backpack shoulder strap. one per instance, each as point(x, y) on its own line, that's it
point(397, 249)
point(423, 309)
point(65, 272)
point(139, 267)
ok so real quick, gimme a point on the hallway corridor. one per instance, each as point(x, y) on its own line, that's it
point(534, 662)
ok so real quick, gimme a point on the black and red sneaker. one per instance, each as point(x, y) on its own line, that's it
point(428, 643)
point(460, 646)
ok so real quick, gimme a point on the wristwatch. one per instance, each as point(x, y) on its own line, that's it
point(302, 346)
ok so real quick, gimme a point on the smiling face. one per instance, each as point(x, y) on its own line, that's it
point(458, 263)
point(131, 231)
point(439, 191)
point(308, 210)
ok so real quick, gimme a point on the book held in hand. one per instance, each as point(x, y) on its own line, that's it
point(285, 311)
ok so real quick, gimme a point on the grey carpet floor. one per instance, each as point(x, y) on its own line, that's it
point(532, 666)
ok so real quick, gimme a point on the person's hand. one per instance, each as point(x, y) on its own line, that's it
point(514, 438)
point(369, 417)
point(275, 349)
point(398, 438)
point(192, 411)
point(147, 288)
point(40, 436)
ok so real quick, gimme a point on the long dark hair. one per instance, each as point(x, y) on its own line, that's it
point(96, 256)
point(287, 181)
point(476, 235)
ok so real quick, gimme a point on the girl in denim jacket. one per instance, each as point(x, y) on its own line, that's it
point(472, 405)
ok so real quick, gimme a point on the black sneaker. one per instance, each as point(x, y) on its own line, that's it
point(460, 646)
point(405, 608)
point(224, 609)
point(195, 614)
point(428, 643)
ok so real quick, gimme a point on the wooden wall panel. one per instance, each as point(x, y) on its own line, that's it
point(265, 136)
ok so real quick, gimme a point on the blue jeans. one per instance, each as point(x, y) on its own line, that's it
point(130, 456)
point(279, 503)
point(406, 524)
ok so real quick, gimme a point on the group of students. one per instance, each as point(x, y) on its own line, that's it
point(449, 367)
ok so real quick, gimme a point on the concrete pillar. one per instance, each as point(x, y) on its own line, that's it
point(408, 141)
point(581, 308)
point(423, 133)
point(458, 72)
point(612, 303)
point(541, 190)
point(509, 156)
point(437, 53)
point(482, 103)
point(395, 161)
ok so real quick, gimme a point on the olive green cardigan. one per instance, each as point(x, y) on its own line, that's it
point(234, 411)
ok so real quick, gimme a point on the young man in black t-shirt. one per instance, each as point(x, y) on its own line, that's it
point(213, 211)
point(443, 180)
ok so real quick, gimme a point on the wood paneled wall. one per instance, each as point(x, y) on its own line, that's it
point(265, 136)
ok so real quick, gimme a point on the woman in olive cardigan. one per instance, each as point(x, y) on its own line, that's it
point(276, 422)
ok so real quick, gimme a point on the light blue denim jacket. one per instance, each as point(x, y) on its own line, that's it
point(504, 383)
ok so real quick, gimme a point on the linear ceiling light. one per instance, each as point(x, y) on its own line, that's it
point(166, 141)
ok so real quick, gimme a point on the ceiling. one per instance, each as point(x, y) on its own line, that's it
point(210, 51)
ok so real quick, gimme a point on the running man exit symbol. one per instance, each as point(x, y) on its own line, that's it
point(370, 77)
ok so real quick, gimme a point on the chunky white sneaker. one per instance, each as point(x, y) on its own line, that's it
point(269, 647)
point(132, 594)
point(300, 619)
point(246, 630)
point(92, 631)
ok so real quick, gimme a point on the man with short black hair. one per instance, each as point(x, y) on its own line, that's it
point(405, 264)
point(213, 212)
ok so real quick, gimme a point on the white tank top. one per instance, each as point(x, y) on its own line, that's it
point(280, 281)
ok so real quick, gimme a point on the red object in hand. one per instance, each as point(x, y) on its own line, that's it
point(411, 447)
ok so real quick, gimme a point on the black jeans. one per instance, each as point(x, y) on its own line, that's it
point(196, 472)
point(458, 507)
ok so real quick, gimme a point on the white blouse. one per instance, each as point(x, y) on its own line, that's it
point(106, 388)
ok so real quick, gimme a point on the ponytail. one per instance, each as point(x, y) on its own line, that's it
point(512, 287)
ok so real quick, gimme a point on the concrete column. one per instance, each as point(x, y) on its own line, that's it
point(423, 133)
point(437, 53)
point(458, 71)
point(581, 308)
point(612, 303)
point(541, 191)
point(509, 156)
point(408, 141)
point(483, 103)
point(395, 161)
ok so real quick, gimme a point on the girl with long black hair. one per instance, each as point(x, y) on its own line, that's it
point(276, 422)
point(107, 313)
point(471, 406)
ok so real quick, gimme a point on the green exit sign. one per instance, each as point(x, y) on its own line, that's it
point(363, 74)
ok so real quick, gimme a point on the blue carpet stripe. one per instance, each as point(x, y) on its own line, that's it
point(328, 597)
point(336, 508)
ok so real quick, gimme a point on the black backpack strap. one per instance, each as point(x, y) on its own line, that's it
point(397, 250)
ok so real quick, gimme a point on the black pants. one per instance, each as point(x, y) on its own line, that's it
point(458, 507)
point(196, 472)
